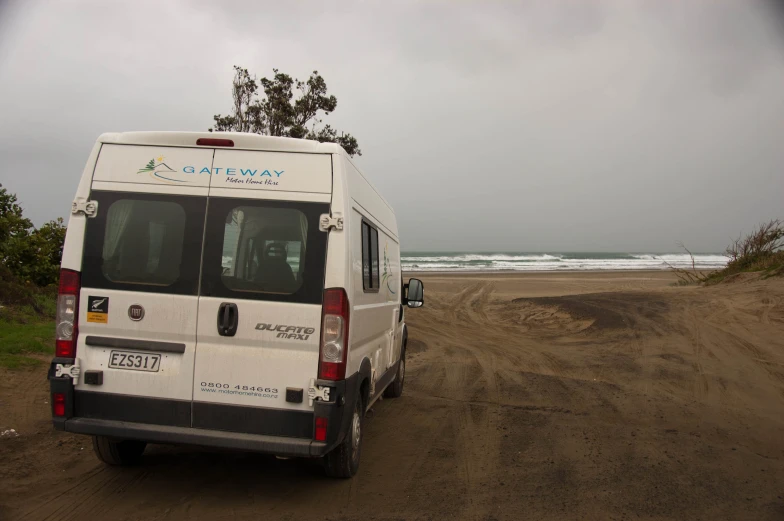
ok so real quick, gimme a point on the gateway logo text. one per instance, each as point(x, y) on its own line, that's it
point(234, 171)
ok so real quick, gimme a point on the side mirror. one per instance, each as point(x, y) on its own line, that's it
point(415, 298)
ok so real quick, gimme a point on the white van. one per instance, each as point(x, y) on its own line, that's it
point(227, 290)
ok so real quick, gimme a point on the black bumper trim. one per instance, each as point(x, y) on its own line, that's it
point(253, 420)
point(294, 447)
point(127, 408)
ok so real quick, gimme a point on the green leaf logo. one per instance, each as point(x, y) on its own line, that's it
point(386, 277)
point(149, 167)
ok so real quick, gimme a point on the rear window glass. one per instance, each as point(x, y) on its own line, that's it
point(264, 250)
point(144, 242)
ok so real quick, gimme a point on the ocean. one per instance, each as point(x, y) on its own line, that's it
point(578, 261)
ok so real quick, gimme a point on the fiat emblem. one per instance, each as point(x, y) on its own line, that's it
point(136, 312)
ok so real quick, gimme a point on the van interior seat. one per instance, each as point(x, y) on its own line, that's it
point(274, 272)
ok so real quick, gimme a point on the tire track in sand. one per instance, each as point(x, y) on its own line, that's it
point(478, 439)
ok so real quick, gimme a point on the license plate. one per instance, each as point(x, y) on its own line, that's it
point(135, 361)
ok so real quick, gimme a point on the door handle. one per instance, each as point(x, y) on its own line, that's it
point(228, 318)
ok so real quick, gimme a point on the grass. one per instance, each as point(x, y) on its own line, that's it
point(770, 265)
point(26, 322)
point(24, 332)
point(761, 251)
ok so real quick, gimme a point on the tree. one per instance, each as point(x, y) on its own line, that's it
point(14, 229)
point(12, 224)
point(282, 111)
point(29, 254)
point(47, 247)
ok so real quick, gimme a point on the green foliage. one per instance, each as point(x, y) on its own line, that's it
point(281, 111)
point(762, 250)
point(14, 228)
point(759, 251)
point(771, 265)
point(31, 255)
point(150, 165)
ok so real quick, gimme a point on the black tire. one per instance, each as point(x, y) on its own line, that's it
point(395, 389)
point(118, 452)
point(343, 460)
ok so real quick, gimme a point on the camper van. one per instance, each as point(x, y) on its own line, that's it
point(228, 290)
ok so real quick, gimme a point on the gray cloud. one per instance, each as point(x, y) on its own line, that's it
point(606, 125)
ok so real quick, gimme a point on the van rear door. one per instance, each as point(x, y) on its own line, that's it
point(140, 281)
point(261, 292)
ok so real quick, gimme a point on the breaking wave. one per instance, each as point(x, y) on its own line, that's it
point(437, 261)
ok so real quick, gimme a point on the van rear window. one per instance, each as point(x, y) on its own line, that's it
point(144, 242)
point(264, 250)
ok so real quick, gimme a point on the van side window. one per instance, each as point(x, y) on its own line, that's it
point(370, 274)
point(374, 257)
point(366, 284)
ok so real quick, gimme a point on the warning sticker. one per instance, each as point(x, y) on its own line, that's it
point(98, 309)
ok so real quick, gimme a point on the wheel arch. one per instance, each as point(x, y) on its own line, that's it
point(365, 372)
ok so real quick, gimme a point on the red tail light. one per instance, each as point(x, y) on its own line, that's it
point(67, 314)
point(334, 335)
point(214, 142)
point(58, 404)
point(321, 429)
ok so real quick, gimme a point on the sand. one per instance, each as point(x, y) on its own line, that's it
point(528, 396)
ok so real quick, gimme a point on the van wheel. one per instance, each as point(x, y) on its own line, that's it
point(118, 452)
point(395, 389)
point(343, 460)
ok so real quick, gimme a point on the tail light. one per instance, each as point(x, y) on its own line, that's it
point(67, 314)
point(58, 404)
point(321, 429)
point(334, 335)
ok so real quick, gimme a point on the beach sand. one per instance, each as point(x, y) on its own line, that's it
point(599, 395)
point(528, 396)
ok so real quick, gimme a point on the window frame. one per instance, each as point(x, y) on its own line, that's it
point(187, 283)
point(314, 263)
point(367, 285)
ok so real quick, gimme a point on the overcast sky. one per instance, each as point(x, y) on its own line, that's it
point(549, 126)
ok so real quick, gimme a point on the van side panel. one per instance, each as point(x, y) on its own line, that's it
point(374, 313)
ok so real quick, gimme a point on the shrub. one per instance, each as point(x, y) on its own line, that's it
point(31, 255)
point(760, 250)
point(756, 249)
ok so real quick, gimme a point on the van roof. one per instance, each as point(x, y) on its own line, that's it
point(242, 141)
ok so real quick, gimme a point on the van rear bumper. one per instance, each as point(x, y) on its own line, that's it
point(278, 445)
